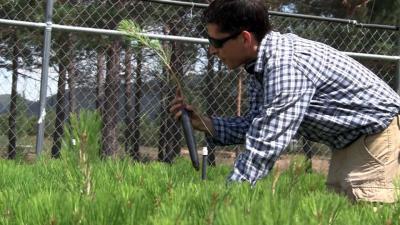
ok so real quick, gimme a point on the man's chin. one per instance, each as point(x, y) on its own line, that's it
point(232, 67)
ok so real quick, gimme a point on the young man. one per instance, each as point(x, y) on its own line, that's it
point(301, 86)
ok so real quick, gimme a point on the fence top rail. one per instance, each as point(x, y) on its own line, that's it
point(295, 15)
point(22, 23)
point(157, 36)
point(372, 56)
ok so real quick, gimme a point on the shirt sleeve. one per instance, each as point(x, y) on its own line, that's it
point(232, 130)
point(287, 94)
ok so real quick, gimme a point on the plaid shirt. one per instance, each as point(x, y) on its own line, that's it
point(308, 88)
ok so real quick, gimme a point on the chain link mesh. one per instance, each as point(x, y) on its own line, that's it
point(129, 85)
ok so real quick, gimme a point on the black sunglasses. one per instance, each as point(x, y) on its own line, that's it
point(219, 43)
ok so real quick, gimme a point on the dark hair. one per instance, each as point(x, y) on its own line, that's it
point(234, 15)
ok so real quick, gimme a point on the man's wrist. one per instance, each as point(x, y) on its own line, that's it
point(207, 125)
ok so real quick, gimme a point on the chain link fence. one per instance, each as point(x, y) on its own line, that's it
point(96, 70)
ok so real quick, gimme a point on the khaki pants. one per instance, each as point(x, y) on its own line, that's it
point(367, 169)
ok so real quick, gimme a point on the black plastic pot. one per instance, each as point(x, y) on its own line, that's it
point(190, 140)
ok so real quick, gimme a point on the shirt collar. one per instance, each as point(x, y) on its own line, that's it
point(249, 67)
point(263, 52)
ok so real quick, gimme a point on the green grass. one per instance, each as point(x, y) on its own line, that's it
point(80, 188)
point(122, 192)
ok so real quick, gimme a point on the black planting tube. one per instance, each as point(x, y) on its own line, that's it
point(189, 136)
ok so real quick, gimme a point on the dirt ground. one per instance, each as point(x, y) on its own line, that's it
point(319, 164)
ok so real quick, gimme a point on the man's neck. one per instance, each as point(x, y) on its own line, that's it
point(250, 63)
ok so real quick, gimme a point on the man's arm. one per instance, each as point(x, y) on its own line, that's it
point(232, 130)
point(287, 93)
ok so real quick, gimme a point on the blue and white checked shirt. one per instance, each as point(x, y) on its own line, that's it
point(309, 88)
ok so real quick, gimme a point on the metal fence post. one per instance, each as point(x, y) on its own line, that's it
point(325, 28)
point(398, 77)
point(45, 73)
point(398, 64)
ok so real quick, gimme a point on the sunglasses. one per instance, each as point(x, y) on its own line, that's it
point(219, 43)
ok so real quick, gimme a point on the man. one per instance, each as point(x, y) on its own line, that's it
point(301, 86)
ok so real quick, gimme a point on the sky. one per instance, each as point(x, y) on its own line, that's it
point(29, 87)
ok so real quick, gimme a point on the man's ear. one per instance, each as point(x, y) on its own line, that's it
point(247, 38)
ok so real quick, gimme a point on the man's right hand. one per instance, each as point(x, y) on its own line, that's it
point(201, 123)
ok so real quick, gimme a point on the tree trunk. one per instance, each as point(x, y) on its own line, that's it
point(239, 101)
point(110, 115)
point(239, 93)
point(163, 142)
point(101, 68)
point(210, 100)
point(12, 120)
point(130, 125)
point(169, 127)
point(137, 108)
point(60, 110)
point(71, 74)
point(169, 142)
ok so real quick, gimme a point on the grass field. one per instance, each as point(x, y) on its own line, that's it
point(121, 192)
point(79, 188)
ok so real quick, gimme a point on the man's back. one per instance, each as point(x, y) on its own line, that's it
point(349, 100)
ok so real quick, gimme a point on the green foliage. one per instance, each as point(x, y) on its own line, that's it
point(126, 193)
point(82, 131)
point(33, 10)
point(80, 148)
point(25, 124)
point(147, 129)
point(134, 33)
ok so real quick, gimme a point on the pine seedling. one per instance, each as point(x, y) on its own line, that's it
point(133, 31)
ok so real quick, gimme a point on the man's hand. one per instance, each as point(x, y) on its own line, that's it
point(201, 123)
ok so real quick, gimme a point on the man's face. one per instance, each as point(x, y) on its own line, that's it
point(228, 47)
